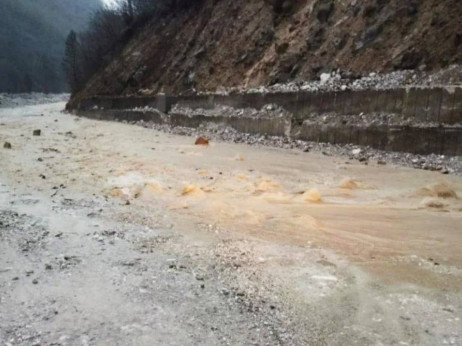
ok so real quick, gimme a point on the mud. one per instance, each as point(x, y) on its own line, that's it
point(117, 234)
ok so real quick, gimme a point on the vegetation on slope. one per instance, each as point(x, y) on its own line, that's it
point(32, 35)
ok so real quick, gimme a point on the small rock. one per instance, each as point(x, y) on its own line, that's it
point(324, 78)
point(35, 281)
point(381, 162)
point(202, 141)
point(37, 132)
point(7, 145)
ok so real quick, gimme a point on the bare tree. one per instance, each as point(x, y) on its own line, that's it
point(109, 30)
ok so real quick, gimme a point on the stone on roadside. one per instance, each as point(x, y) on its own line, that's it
point(202, 141)
point(37, 132)
point(324, 78)
point(7, 145)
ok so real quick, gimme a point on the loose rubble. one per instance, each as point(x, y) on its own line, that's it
point(220, 132)
point(341, 81)
point(370, 119)
point(267, 111)
point(202, 141)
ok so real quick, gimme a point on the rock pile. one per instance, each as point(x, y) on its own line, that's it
point(341, 81)
point(365, 155)
point(267, 111)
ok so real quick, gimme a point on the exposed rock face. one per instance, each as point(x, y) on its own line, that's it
point(261, 42)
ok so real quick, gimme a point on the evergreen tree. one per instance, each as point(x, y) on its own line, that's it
point(70, 61)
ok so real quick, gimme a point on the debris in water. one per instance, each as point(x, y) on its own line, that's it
point(312, 196)
point(191, 190)
point(266, 184)
point(442, 190)
point(432, 203)
point(188, 189)
point(202, 141)
point(349, 184)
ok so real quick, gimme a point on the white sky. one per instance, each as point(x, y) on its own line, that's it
point(109, 2)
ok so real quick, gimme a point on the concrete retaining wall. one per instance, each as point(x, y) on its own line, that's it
point(436, 105)
point(440, 106)
point(416, 140)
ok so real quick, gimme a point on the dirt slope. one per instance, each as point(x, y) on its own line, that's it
point(248, 43)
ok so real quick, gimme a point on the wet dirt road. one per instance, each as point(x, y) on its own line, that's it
point(115, 234)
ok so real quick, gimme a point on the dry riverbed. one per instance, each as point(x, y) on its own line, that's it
point(114, 234)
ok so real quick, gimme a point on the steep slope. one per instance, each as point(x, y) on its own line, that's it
point(32, 35)
point(249, 43)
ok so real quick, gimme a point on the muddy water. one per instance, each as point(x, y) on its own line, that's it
point(375, 215)
point(370, 243)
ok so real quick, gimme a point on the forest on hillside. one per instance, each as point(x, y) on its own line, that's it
point(32, 37)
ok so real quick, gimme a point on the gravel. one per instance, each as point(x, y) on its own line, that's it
point(341, 81)
point(370, 119)
point(275, 111)
point(267, 111)
point(195, 292)
point(220, 132)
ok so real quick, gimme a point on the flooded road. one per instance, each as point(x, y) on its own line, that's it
point(291, 247)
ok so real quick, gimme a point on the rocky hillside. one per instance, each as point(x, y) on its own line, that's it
point(261, 42)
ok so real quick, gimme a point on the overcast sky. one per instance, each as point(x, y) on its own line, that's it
point(108, 2)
